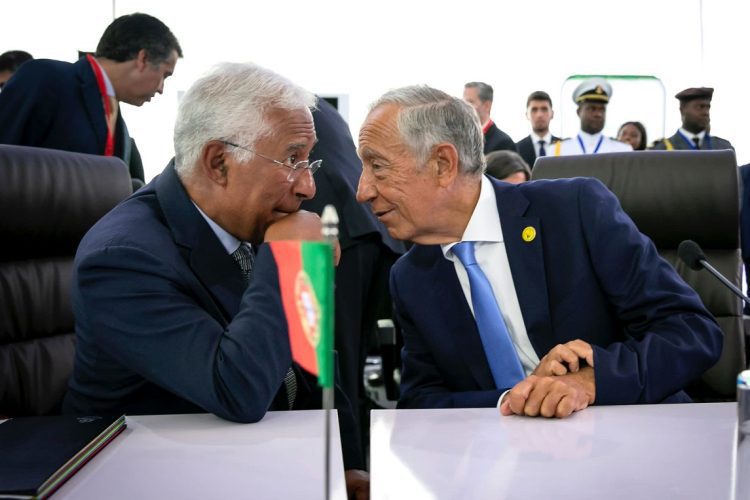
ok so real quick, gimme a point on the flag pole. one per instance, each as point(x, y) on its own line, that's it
point(330, 220)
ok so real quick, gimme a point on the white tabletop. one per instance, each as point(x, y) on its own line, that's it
point(203, 456)
point(644, 452)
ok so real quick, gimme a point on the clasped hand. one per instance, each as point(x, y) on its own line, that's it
point(561, 384)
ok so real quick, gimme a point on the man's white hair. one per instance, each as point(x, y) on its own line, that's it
point(231, 103)
point(429, 116)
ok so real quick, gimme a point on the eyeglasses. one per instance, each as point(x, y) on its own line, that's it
point(294, 169)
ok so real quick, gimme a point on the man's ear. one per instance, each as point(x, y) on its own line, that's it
point(213, 162)
point(445, 158)
point(141, 59)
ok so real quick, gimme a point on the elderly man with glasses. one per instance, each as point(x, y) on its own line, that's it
point(175, 292)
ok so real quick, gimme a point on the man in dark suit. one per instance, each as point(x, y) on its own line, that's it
point(367, 250)
point(165, 319)
point(75, 107)
point(480, 96)
point(544, 289)
point(695, 111)
point(539, 112)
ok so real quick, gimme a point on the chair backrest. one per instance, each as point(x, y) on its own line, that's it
point(674, 196)
point(48, 200)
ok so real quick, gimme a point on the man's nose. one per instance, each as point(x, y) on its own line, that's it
point(304, 184)
point(365, 189)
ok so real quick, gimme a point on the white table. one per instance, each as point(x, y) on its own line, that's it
point(618, 452)
point(203, 456)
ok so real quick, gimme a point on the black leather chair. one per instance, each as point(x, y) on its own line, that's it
point(48, 200)
point(673, 196)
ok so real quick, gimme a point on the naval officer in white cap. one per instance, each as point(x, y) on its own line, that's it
point(592, 97)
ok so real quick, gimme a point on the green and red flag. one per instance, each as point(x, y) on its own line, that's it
point(306, 280)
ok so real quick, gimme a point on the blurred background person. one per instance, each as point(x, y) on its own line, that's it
point(9, 63)
point(592, 98)
point(539, 142)
point(508, 166)
point(480, 95)
point(695, 113)
point(633, 133)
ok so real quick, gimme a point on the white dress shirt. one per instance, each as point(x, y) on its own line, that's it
point(484, 229)
point(700, 135)
point(547, 143)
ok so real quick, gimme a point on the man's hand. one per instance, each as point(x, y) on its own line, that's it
point(551, 396)
point(300, 225)
point(565, 358)
point(357, 484)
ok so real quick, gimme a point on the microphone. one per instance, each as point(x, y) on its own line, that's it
point(692, 255)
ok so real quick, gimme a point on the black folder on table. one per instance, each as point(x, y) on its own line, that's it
point(38, 454)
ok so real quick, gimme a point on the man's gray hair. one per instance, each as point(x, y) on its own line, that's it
point(231, 103)
point(429, 116)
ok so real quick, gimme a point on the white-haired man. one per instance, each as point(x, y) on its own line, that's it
point(166, 321)
point(544, 289)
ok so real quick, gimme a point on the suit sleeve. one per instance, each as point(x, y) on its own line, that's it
point(422, 384)
point(28, 104)
point(141, 312)
point(670, 338)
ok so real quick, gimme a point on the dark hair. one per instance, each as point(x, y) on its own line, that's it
point(11, 60)
point(485, 91)
point(539, 95)
point(127, 35)
point(503, 163)
point(641, 129)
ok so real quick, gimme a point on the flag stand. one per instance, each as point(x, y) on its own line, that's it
point(330, 220)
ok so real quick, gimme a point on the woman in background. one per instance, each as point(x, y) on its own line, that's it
point(633, 133)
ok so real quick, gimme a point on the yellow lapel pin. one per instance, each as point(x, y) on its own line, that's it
point(528, 234)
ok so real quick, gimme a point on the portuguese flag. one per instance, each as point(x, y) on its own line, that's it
point(306, 280)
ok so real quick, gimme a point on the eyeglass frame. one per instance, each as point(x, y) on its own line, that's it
point(311, 167)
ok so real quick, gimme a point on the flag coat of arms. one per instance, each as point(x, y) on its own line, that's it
point(306, 282)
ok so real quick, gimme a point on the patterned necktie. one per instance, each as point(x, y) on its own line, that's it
point(498, 347)
point(697, 141)
point(245, 257)
point(542, 152)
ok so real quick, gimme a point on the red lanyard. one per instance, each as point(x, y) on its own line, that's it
point(109, 148)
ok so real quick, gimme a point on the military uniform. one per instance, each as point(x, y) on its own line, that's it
point(683, 139)
point(593, 90)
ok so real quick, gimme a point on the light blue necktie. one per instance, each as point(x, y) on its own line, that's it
point(498, 347)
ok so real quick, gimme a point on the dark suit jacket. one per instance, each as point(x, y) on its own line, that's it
point(678, 142)
point(57, 105)
point(745, 222)
point(165, 323)
point(588, 274)
point(526, 149)
point(495, 140)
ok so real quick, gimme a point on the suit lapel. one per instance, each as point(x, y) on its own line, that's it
point(457, 322)
point(92, 100)
point(205, 254)
point(526, 260)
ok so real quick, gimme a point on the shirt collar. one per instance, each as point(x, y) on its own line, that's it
point(487, 126)
point(484, 224)
point(690, 135)
point(230, 243)
point(536, 138)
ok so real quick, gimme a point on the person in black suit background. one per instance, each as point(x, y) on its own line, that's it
point(539, 112)
point(75, 107)
point(480, 96)
point(367, 250)
point(10, 61)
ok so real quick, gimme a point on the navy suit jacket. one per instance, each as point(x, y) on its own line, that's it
point(166, 324)
point(526, 149)
point(589, 274)
point(496, 140)
point(57, 105)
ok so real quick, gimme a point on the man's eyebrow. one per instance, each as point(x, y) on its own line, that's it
point(299, 145)
point(368, 153)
